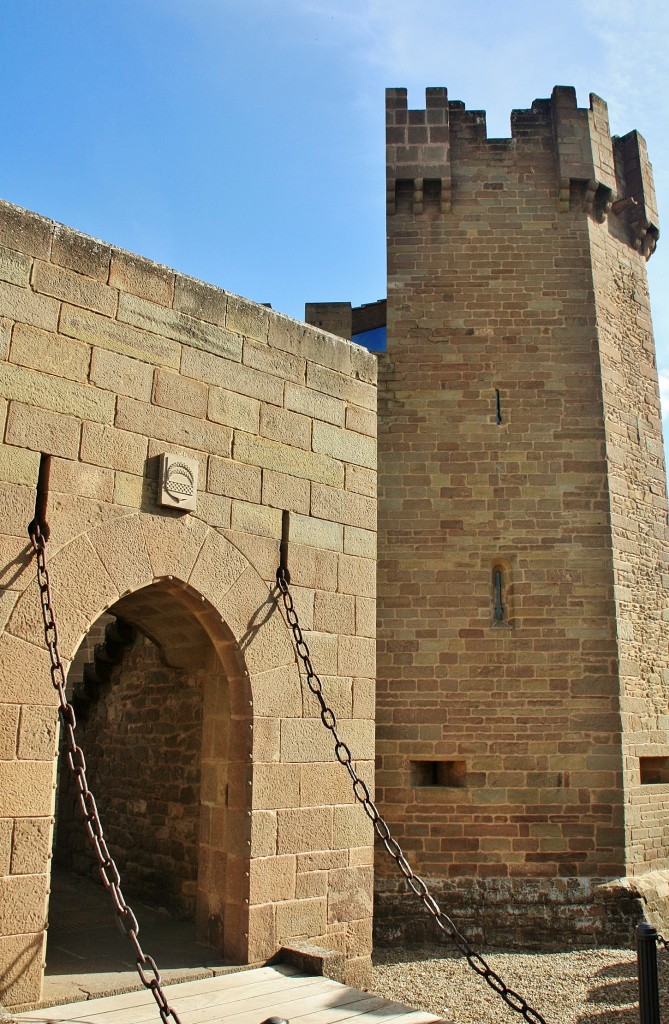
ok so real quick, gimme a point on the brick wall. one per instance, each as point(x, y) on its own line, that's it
point(506, 571)
point(107, 361)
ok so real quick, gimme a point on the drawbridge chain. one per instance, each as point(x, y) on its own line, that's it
point(343, 754)
point(146, 966)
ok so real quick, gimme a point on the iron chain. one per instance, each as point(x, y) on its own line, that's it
point(382, 830)
point(661, 941)
point(147, 970)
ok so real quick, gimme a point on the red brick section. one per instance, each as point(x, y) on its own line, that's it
point(520, 360)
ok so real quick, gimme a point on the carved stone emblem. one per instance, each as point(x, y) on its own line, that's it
point(178, 482)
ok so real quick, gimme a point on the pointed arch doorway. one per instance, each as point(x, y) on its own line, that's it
point(161, 695)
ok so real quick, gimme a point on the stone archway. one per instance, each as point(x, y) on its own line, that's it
point(162, 571)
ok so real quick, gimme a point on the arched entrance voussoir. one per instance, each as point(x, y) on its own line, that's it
point(224, 591)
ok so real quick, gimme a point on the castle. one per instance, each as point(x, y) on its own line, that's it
point(523, 562)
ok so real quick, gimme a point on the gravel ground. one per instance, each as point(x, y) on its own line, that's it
point(578, 987)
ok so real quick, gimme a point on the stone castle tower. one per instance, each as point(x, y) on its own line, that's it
point(523, 665)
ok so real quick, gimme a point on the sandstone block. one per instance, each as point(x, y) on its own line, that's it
point(232, 376)
point(344, 444)
point(323, 784)
point(361, 480)
point(9, 730)
point(6, 829)
point(200, 300)
point(350, 895)
point(71, 477)
point(287, 427)
point(215, 510)
point(272, 879)
point(311, 884)
point(363, 421)
point(312, 567)
point(300, 918)
point(18, 465)
point(52, 353)
point(7, 602)
point(266, 740)
point(257, 519)
point(357, 656)
point(305, 740)
point(141, 277)
point(334, 613)
point(25, 231)
point(171, 324)
point(14, 267)
point(262, 940)
point(359, 542)
point(304, 829)
point(27, 788)
point(351, 828)
point(323, 651)
point(134, 492)
point(38, 734)
point(321, 860)
point(15, 508)
point(357, 576)
point(274, 362)
point(182, 394)
point(77, 289)
point(21, 959)
point(5, 336)
point(173, 544)
point(169, 426)
point(365, 616)
point(238, 411)
point(31, 846)
point(338, 385)
point(275, 786)
point(338, 694)
point(80, 253)
point(286, 492)
point(121, 374)
point(250, 610)
point(247, 318)
point(118, 337)
point(342, 506)
point(217, 568)
point(364, 697)
point(234, 479)
point(22, 904)
point(45, 391)
point(283, 458)
point(24, 670)
point(315, 404)
point(103, 445)
point(319, 533)
point(121, 548)
point(277, 693)
point(263, 834)
point(26, 307)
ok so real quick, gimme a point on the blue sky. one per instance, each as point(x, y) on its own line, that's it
point(242, 142)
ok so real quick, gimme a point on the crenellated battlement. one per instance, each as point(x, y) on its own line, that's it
point(592, 172)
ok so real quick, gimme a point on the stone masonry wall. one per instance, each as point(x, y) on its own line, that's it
point(143, 740)
point(499, 733)
point(637, 478)
point(106, 361)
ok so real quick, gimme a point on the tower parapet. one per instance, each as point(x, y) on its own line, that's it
point(599, 174)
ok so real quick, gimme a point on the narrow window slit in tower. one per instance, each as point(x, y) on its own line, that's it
point(498, 407)
point(497, 584)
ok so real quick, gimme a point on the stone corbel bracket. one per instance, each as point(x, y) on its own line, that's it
point(583, 152)
point(635, 170)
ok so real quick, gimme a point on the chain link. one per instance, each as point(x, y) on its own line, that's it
point(661, 941)
point(343, 754)
point(147, 970)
